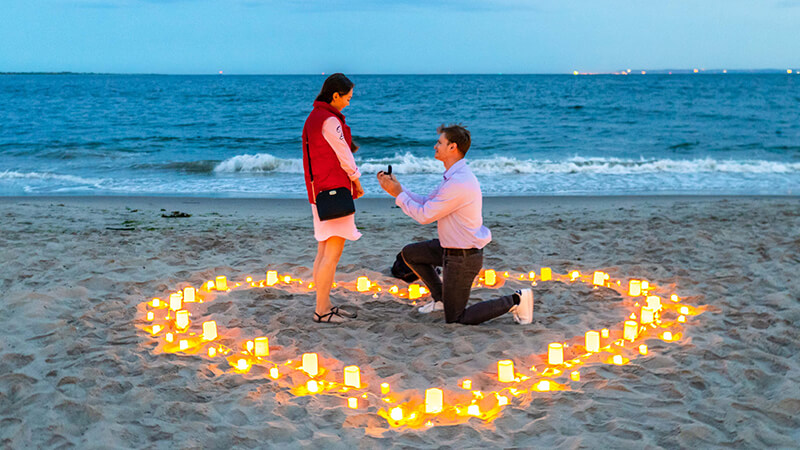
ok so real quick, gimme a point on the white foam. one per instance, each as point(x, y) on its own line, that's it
point(13, 175)
point(258, 163)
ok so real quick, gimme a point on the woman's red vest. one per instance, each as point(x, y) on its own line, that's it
point(328, 173)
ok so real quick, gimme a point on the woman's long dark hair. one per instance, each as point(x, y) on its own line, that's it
point(334, 83)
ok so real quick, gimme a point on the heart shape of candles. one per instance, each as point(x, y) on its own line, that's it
point(177, 327)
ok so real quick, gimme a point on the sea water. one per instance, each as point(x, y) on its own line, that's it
point(239, 136)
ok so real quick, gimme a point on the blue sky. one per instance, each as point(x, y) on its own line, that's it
point(402, 36)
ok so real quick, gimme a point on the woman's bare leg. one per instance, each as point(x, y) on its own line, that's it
point(328, 254)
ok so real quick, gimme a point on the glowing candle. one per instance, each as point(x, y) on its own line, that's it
point(648, 315)
point(667, 336)
point(248, 279)
point(362, 284)
point(156, 329)
point(574, 275)
point(466, 384)
point(634, 288)
point(175, 301)
point(156, 303)
point(531, 275)
point(547, 274)
point(617, 359)
point(287, 279)
point(396, 414)
point(310, 364)
point(272, 277)
point(394, 290)
point(210, 330)
point(630, 330)
point(188, 294)
point(543, 385)
point(352, 376)
point(674, 298)
point(262, 346)
point(183, 344)
point(555, 354)
point(150, 315)
point(654, 302)
point(273, 372)
point(684, 310)
point(249, 346)
point(433, 400)
point(182, 319)
point(592, 341)
point(643, 349)
point(645, 285)
point(604, 333)
point(474, 410)
point(505, 371)
point(212, 352)
point(221, 283)
point(384, 388)
point(313, 387)
point(682, 319)
point(352, 403)
point(575, 375)
point(599, 279)
point(502, 400)
point(413, 291)
point(490, 277)
point(241, 364)
point(169, 337)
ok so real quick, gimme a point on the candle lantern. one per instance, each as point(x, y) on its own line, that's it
point(221, 283)
point(273, 372)
point(684, 310)
point(310, 364)
point(413, 291)
point(531, 275)
point(604, 333)
point(210, 330)
point(249, 346)
point(467, 384)
point(654, 302)
point(643, 349)
point(394, 290)
point(645, 285)
point(182, 319)
point(667, 336)
point(188, 294)
point(648, 315)
point(555, 354)
point(547, 274)
point(574, 275)
point(599, 278)
point(575, 375)
point(489, 277)
point(312, 386)
point(474, 410)
point(505, 371)
point(156, 329)
point(384, 388)
point(156, 303)
point(212, 352)
point(169, 337)
point(396, 414)
point(502, 400)
point(175, 301)
point(183, 344)
point(262, 346)
point(272, 277)
point(433, 401)
point(150, 315)
point(352, 403)
point(592, 341)
point(630, 330)
point(634, 288)
point(362, 284)
point(617, 359)
point(674, 298)
point(352, 376)
point(543, 385)
point(682, 319)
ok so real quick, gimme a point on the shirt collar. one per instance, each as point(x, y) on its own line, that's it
point(454, 168)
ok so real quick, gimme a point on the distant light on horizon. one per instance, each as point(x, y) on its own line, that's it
point(788, 70)
point(575, 72)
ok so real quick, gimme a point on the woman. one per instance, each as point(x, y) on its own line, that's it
point(329, 146)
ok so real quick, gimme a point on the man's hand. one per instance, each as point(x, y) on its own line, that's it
point(389, 184)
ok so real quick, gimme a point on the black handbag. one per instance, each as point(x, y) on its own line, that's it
point(333, 203)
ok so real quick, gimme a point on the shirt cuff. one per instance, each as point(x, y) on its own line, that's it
point(355, 175)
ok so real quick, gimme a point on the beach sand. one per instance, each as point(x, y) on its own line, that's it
point(77, 370)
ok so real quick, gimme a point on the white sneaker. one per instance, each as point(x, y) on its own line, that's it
point(523, 313)
point(430, 307)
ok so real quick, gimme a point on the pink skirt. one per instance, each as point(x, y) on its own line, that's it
point(343, 227)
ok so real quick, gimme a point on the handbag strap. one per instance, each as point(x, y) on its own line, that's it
point(310, 172)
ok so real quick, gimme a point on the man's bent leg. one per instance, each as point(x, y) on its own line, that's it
point(423, 258)
point(489, 309)
point(458, 273)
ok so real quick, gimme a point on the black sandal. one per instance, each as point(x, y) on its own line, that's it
point(335, 312)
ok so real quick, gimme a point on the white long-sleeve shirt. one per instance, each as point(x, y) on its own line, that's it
point(332, 132)
point(456, 205)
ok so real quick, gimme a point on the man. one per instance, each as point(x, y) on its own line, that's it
point(456, 206)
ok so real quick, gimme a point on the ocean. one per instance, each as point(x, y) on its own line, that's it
point(239, 136)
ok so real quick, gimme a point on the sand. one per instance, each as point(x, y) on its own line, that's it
point(76, 370)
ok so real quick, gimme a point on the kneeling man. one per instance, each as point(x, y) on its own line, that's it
point(456, 205)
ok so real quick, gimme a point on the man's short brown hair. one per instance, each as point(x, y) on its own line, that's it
point(457, 135)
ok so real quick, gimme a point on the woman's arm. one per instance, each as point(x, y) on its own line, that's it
point(332, 132)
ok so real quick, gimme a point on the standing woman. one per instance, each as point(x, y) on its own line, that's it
point(328, 145)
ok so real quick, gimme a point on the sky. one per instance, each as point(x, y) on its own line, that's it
point(396, 37)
